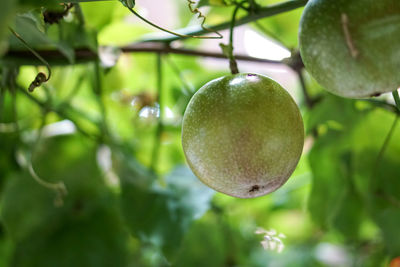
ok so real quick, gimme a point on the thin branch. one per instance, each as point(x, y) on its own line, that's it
point(396, 99)
point(179, 75)
point(87, 55)
point(383, 104)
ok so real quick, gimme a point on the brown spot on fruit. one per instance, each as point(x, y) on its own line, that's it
point(375, 94)
point(254, 188)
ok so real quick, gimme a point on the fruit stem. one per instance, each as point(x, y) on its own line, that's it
point(232, 61)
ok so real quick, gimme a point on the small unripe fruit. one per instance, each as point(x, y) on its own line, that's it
point(242, 135)
point(351, 47)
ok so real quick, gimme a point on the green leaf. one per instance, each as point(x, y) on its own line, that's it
point(168, 212)
point(206, 237)
point(330, 162)
point(26, 26)
point(95, 239)
point(203, 3)
point(349, 175)
point(28, 4)
point(378, 173)
point(7, 13)
point(283, 27)
point(86, 230)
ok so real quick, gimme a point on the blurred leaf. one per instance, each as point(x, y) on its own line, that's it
point(86, 231)
point(193, 196)
point(26, 27)
point(330, 161)
point(6, 14)
point(347, 174)
point(203, 3)
point(38, 3)
point(94, 239)
point(104, 13)
point(378, 176)
point(168, 211)
point(121, 33)
point(206, 237)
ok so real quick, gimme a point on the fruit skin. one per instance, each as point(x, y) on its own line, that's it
point(372, 67)
point(242, 135)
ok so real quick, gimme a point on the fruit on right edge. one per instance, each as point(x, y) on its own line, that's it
point(242, 135)
point(352, 47)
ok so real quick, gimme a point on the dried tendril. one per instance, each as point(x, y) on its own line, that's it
point(196, 11)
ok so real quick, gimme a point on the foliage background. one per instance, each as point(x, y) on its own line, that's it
point(110, 130)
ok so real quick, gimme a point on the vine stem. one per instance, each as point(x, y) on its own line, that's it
point(40, 77)
point(157, 141)
point(262, 12)
point(2, 95)
point(59, 112)
point(13, 91)
point(178, 34)
point(307, 98)
point(385, 144)
point(98, 91)
point(179, 75)
point(388, 198)
point(79, 14)
point(59, 187)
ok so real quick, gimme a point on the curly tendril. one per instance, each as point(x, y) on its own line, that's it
point(40, 77)
point(194, 11)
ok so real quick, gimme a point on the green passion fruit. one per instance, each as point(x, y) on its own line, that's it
point(242, 135)
point(352, 48)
